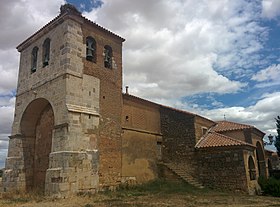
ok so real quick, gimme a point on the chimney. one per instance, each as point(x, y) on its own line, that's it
point(126, 89)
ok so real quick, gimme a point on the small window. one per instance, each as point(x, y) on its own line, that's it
point(159, 150)
point(252, 169)
point(46, 52)
point(108, 54)
point(34, 56)
point(91, 49)
point(204, 130)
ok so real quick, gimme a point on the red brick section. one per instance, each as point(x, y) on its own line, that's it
point(213, 139)
point(110, 102)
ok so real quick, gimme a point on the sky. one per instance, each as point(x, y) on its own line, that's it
point(219, 58)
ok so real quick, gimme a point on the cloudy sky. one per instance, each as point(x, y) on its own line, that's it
point(218, 58)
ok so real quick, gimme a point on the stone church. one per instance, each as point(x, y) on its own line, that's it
point(74, 130)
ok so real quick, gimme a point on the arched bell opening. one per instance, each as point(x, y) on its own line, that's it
point(260, 160)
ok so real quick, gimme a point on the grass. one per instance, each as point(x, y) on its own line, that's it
point(154, 193)
point(18, 197)
point(160, 187)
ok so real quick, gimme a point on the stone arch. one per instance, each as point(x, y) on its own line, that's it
point(252, 168)
point(260, 160)
point(36, 126)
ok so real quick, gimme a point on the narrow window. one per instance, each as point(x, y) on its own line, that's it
point(46, 52)
point(91, 49)
point(159, 150)
point(108, 54)
point(204, 130)
point(34, 56)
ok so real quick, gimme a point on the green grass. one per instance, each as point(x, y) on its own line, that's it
point(159, 187)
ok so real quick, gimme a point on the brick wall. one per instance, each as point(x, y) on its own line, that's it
point(110, 102)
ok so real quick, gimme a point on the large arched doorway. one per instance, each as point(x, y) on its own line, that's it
point(36, 127)
point(260, 160)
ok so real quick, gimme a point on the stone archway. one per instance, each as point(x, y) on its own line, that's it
point(260, 160)
point(36, 127)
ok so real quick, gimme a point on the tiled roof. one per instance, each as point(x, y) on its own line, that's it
point(222, 126)
point(213, 139)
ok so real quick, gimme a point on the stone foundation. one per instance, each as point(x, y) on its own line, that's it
point(71, 172)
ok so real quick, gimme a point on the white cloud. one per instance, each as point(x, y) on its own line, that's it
point(6, 119)
point(18, 20)
point(178, 48)
point(262, 114)
point(6, 111)
point(268, 77)
point(270, 8)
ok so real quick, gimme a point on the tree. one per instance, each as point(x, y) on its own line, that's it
point(277, 137)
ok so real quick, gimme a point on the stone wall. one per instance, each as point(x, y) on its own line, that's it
point(178, 137)
point(74, 99)
point(236, 134)
point(202, 125)
point(222, 168)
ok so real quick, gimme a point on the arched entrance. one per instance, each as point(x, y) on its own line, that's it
point(36, 127)
point(260, 160)
point(252, 169)
point(269, 166)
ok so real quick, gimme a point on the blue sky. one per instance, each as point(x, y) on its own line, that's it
point(217, 58)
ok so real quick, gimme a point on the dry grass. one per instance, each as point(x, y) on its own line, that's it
point(153, 194)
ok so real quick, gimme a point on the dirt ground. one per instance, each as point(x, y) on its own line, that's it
point(209, 199)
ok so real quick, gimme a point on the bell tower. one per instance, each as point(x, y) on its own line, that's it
point(66, 134)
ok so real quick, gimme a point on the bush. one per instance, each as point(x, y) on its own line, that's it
point(270, 186)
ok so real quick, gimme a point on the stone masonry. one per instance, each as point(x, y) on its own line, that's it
point(62, 127)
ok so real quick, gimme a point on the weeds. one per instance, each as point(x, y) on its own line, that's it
point(270, 186)
point(158, 187)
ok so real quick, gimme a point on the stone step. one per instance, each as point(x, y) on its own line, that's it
point(183, 173)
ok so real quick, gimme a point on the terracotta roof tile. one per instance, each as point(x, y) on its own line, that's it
point(222, 126)
point(213, 139)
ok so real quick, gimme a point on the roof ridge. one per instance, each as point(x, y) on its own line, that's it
point(234, 123)
point(168, 107)
point(235, 142)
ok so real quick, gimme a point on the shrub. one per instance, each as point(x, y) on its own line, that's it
point(270, 186)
